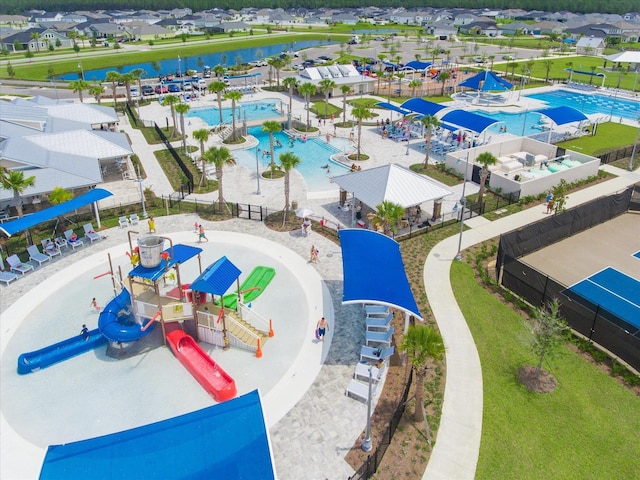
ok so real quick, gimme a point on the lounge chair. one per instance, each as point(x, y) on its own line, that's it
point(17, 266)
point(68, 234)
point(123, 222)
point(49, 247)
point(375, 354)
point(37, 256)
point(359, 390)
point(6, 277)
point(61, 242)
point(376, 310)
point(379, 323)
point(90, 233)
point(134, 219)
point(381, 338)
point(362, 372)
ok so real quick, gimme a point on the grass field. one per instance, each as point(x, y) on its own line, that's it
point(586, 429)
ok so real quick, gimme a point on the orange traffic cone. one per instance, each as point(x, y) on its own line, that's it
point(271, 334)
point(258, 350)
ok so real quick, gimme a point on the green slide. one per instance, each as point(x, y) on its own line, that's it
point(252, 287)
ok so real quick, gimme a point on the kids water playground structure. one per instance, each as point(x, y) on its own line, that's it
point(156, 295)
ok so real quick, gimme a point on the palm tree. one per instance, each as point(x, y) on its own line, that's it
point(430, 122)
point(422, 342)
point(234, 96)
point(277, 64)
point(360, 113)
point(127, 78)
point(113, 77)
point(183, 108)
point(56, 197)
point(326, 86)
point(202, 135)
point(387, 214)
point(443, 77)
point(271, 127)
point(307, 89)
point(219, 156)
point(485, 159)
point(289, 161)
point(79, 86)
point(219, 70)
point(36, 36)
point(14, 180)
point(290, 83)
point(96, 90)
point(414, 84)
point(218, 88)
point(345, 89)
point(172, 100)
point(137, 74)
point(548, 63)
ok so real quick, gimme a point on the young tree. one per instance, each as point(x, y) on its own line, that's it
point(202, 135)
point(430, 122)
point(345, 89)
point(218, 88)
point(360, 113)
point(220, 157)
point(172, 100)
point(444, 77)
point(307, 89)
point(289, 161)
point(290, 83)
point(234, 96)
point(326, 86)
point(485, 159)
point(113, 77)
point(271, 127)
point(560, 195)
point(387, 214)
point(423, 344)
point(413, 84)
point(183, 108)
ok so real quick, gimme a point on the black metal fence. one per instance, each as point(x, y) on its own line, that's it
point(609, 157)
point(176, 156)
point(537, 288)
point(371, 464)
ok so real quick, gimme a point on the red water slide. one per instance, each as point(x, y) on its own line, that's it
point(208, 373)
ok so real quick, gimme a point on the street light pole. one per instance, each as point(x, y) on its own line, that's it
point(463, 202)
point(144, 207)
point(258, 192)
point(367, 445)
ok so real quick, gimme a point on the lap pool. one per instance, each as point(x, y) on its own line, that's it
point(259, 110)
point(591, 103)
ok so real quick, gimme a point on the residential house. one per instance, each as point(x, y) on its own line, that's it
point(593, 46)
point(27, 41)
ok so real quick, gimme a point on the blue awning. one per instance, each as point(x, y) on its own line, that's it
point(214, 442)
point(418, 65)
point(563, 115)
point(181, 253)
point(374, 272)
point(584, 72)
point(469, 121)
point(423, 107)
point(24, 223)
point(486, 81)
point(391, 106)
point(217, 278)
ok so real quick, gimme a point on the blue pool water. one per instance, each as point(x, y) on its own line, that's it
point(260, 110)
point(524, 123)
point(314, 153)
point(591, 103)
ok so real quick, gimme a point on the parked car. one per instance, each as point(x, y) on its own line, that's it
point(147, 90)
point(207, 71)
point(186, 86)
point(478, 59)
point(168, 77)
point(173, 88)
point(161, 89)
point(134, 92)
point(324, 57)
point(508, 57)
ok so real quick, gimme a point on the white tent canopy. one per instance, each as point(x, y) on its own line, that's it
point(392, 183)
point(624, 57)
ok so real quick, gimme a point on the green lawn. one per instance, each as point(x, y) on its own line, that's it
point(586, 429)
point(609, 136)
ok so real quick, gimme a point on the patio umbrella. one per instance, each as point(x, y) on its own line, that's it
point(303, 212)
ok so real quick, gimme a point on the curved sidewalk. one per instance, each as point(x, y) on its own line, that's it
point(457, 446)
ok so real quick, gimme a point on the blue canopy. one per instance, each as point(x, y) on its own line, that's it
point(391, 106)
point(24, 223)
point(421, 106)
point(486, 81)
point(217, 278)
point(563, 115)
point(215, 442)
point(469, 121)
point(418, 65)
point(374, 272)
point(179, 254)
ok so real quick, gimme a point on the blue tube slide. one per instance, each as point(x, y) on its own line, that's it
point(117, 321)
point(33, 361)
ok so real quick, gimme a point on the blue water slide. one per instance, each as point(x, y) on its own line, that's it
point(33, 361)
point(117, 321)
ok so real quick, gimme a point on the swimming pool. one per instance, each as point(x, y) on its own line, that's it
point(314, 153)
point(591, 103)
point(259, 110)
point(523, 123)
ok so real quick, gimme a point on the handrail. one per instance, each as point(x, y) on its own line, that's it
point(249, 315)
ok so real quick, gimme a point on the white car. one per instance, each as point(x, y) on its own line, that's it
point(135, 93)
